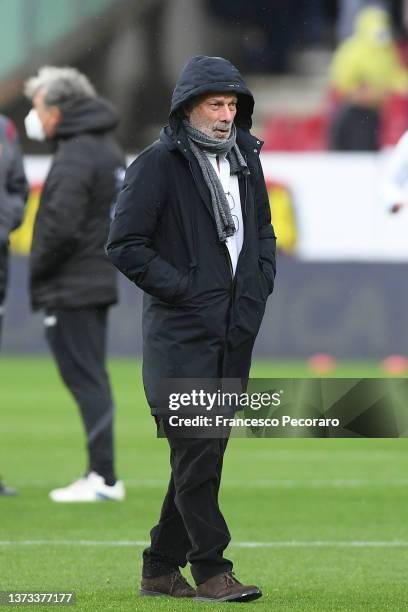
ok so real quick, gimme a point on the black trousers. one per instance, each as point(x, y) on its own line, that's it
point(77, 338)
point(191, 527)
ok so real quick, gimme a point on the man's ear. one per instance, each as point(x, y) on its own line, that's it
point(189, 105)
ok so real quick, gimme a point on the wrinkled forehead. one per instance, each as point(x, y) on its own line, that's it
point(225, 97)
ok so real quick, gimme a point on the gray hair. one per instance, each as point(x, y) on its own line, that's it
point(59, 85)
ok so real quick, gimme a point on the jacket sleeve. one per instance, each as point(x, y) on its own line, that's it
point(16, 187)
point(66, 200)
point(130, 244)
point(266, 233)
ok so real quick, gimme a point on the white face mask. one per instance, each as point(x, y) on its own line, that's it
point(33, 126)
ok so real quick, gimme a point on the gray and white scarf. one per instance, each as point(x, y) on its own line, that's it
point(201, 144)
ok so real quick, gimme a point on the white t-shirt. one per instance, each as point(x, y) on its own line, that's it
point(231, 190)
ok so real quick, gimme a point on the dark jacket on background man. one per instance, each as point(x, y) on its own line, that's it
point(198, 321)
point(13, 192)
point(68, 266)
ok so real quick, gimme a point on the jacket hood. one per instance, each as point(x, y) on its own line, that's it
point(86, 115)
point(372, 26)
point(203, 74)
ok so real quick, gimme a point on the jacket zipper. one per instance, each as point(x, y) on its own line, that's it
point(246, 187)
point(229, 263)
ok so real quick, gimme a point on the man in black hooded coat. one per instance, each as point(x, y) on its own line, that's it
point(71, 278)
point(201, 314)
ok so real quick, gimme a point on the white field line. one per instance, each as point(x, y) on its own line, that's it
point(340, 483)
point(277, 544)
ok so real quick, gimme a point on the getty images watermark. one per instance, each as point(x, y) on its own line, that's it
point(232, 400)
point(312, 407)
point(228, 407)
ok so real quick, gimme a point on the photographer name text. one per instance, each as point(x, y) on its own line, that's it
point(222, 421)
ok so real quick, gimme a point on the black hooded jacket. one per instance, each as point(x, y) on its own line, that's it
point(198, 320)
point(68, 265)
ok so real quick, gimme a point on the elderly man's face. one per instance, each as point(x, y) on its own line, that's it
point(214, 115)
point(50, 116)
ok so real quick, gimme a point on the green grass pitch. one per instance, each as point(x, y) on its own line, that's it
point(320, 525)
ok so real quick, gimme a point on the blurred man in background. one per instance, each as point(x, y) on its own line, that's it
point(13, 195)
point(71, 278)
point(193, 230)
point(365, 69)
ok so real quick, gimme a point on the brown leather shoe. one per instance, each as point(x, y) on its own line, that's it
point(225, 587)
point(172, 585)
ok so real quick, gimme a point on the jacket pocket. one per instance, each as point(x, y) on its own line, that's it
point(186, 289)
point(249, 312)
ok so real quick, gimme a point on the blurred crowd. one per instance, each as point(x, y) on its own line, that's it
point(274, 31)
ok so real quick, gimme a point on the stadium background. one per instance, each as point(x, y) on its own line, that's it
point(321, 524)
